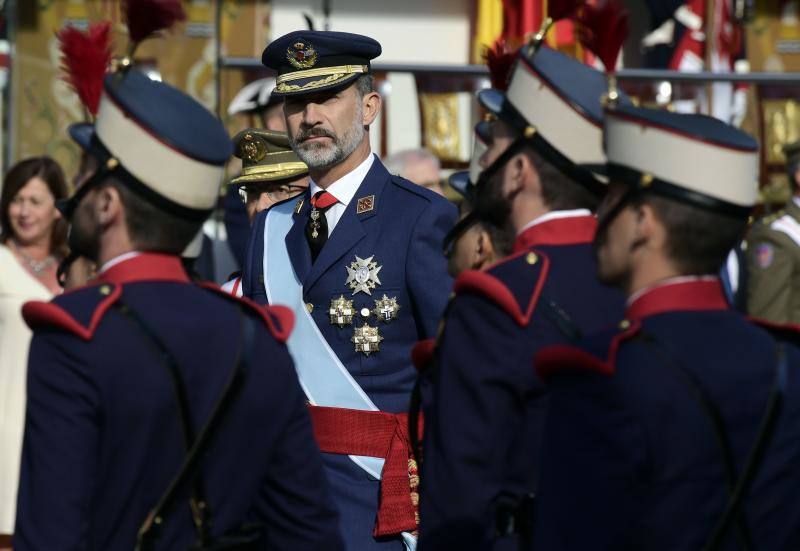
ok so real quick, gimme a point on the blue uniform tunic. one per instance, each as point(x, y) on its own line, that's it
point(631, 457)
point(102, 434)
point(484, 406)
point(401, 227)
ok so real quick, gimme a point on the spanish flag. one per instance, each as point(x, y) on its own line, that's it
point(488, 27)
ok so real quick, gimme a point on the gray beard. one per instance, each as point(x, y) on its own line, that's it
point(324, 156)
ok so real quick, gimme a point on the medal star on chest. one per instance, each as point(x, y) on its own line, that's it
point(362, 275)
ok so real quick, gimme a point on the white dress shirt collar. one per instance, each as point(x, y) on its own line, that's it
point(346, 187)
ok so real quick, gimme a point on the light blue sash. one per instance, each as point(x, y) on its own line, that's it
point(323, 377)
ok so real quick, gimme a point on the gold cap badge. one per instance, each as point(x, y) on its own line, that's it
point(301, 55)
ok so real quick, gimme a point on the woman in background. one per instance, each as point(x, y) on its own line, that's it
point(32, 242)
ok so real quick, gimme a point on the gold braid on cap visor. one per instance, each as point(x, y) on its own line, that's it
point(266, 173)
point(332, 75)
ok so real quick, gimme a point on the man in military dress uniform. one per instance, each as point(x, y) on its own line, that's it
point(680, 429)
point(486, 408)
point(103, 434)
point(359, 260)
point(271, 173)
point(773, 255)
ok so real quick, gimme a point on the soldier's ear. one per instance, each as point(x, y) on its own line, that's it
point(484, 249)
point(649, 228)
point(108, 205)
point(371, 105)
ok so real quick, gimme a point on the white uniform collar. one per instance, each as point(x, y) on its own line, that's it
point(118, 260)
point(553, 215)
point(346, 187)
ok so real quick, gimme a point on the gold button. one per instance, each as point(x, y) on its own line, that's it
point(365, 312)
point(624, 324)
point(105, 290)
point(309, 307)
point(531, 258)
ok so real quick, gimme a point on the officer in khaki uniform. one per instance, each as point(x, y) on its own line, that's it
point(271, 173)
point(773, 255)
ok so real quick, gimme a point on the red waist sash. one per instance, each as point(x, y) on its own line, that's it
point(376, 434)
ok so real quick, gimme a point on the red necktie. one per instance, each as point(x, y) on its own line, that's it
point(317, 228)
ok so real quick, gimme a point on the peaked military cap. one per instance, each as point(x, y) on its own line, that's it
point(254, 97)
point(693, 158)
point(312, 61)
point(464, 181)
point(162, 143)
point(555, 101)
point(266, 156)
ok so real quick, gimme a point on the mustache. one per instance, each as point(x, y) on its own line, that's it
point(314, 132)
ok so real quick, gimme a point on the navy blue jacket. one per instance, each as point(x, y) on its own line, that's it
point(102, 434)
point(403, 231)
point(484, 406)
point(631, 457)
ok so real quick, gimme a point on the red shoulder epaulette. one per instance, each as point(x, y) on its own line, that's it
point(519, 303)
point(94, 300)
point(557, 359)
point(279, 319)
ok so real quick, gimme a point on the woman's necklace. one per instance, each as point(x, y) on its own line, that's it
point(37, 266)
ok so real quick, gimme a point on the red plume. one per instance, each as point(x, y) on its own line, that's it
point(603, 29)
point(84, 59)
point(561, 9)
point(500, 58)
point(147, 17)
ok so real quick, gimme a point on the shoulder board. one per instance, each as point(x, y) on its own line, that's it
point(278, 319)
point(416, 189)
point(597, 353)
point(78, 312)
point(422, 354)
point(514, 283)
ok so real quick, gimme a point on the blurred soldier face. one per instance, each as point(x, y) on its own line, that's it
point(497, 190)
point(261, 196)
point(503, 136)
point(325, 128)
point(616, 244)
point(473, 250)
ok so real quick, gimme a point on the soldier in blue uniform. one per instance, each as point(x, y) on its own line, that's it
point(681, 428)
point(113, 364)
point(484, 407)
point(358, 258)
